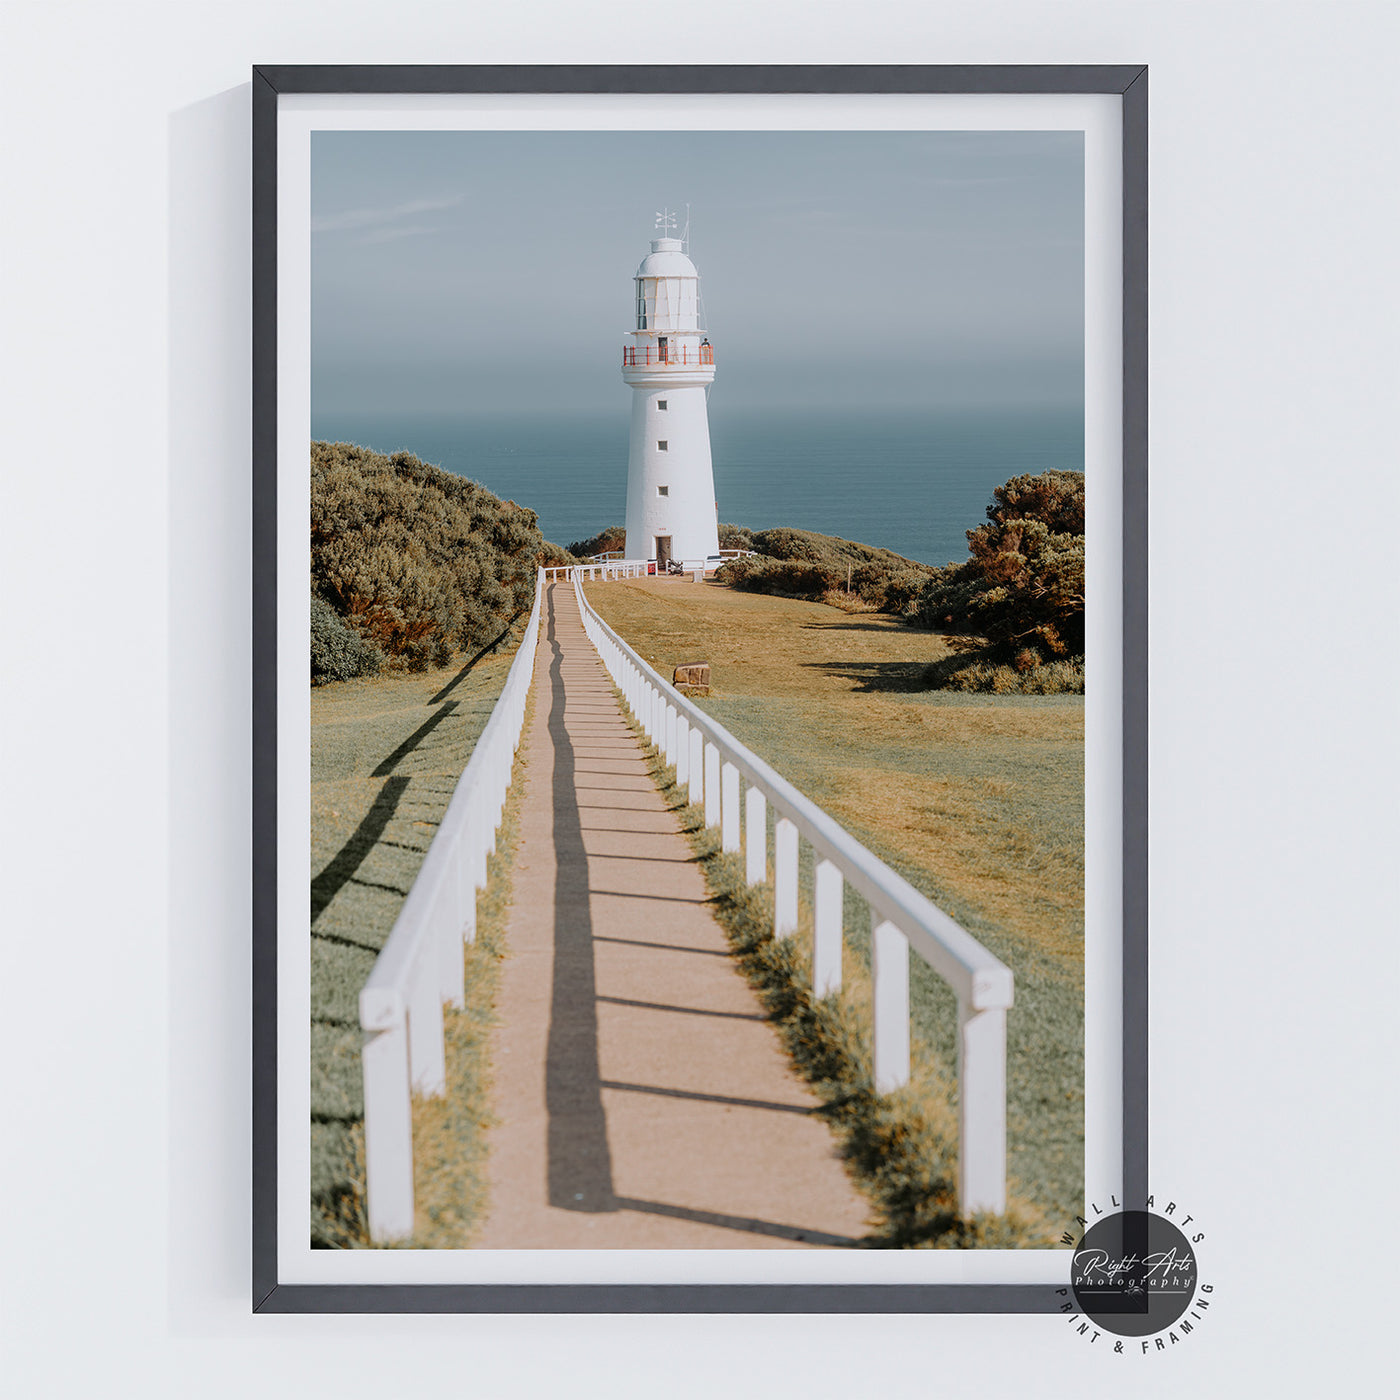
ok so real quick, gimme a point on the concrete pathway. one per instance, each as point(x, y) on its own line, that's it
point(644, 1100)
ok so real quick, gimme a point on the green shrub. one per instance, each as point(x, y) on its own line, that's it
point(612, 540)
point(790, 578)
point(980, 671)
point(1023, 587)
point(551, 555)
point(1055, 497)
point(417, 562)
point(338, 652)
point(805, 564)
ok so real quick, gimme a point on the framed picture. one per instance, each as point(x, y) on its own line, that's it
point(717, 770)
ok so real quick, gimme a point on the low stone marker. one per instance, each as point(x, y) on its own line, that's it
point(693, 679)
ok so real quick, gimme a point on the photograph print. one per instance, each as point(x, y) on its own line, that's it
point(697, 685)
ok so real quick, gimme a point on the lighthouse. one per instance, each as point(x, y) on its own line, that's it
point(671, 512)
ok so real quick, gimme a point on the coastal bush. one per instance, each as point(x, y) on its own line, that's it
point(553, 555)
point(1023, 587)
point(978, 671)
point(612, 540)
point(806, 564)
point(790, 578)
point(417, 562)
point(338, 652)
point(801, 564)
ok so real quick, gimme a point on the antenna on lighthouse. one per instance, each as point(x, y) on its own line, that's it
point(685, 237)
point(665, 221)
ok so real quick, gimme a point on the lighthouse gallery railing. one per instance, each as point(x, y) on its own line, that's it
point(420, 967)
point(713, 765)
point(632, 356)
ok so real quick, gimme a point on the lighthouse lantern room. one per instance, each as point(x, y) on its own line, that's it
point(671, 512)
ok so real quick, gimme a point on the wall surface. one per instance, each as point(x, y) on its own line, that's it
point(125, 732)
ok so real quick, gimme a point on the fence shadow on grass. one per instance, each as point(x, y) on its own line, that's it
point(466, 670)
point(877, 622)
point(876, 677)
point(348, 859)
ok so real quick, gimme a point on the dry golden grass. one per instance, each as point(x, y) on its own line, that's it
point(976, 799)
point(985, 791)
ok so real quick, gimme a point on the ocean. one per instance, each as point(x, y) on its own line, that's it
point(913, 483)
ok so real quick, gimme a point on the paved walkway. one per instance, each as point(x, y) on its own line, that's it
point(644, 1100)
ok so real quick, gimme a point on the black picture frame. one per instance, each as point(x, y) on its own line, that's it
point(269, 84)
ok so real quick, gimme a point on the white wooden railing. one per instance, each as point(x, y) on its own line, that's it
point(715, 767)
point(420, 968)
point(609, 569)
point(601, 570)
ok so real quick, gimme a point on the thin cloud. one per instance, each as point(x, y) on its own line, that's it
point(349, 220)
point(387, 235)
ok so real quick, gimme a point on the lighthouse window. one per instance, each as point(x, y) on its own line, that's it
point(661, 445)
point(663, 490)
point(661, 404)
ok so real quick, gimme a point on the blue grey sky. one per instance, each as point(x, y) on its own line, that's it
point(474, 272)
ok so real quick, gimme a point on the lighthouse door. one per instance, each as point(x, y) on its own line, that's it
point(663, 553)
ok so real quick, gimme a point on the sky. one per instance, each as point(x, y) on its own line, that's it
point(490, 272)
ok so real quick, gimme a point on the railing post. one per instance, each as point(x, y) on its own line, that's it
point(729, 807)
point(388, 1117)
point(826, 933)
point(496, 773)
point(755, 836)
point(427, 1055)
point(712, 803)
point(784, 879)
point(981, 1109)
point(493, 800)
point(697, 765)
point(466, 882)
point(682, 750)
point(890, 973)
point(455, 899)
point(477, 848)
point(669, 747)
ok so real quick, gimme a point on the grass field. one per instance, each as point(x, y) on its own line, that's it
point(976, 799)
point(385, 755)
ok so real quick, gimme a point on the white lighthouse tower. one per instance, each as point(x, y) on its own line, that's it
point(671, 511)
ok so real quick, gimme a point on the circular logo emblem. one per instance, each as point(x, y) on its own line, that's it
point(1133, 1273)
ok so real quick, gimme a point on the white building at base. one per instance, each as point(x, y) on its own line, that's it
point(671, 509)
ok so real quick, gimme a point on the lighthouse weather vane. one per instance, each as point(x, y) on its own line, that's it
point(666, 221)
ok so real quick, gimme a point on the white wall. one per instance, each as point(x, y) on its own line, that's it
point(124, 1215)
